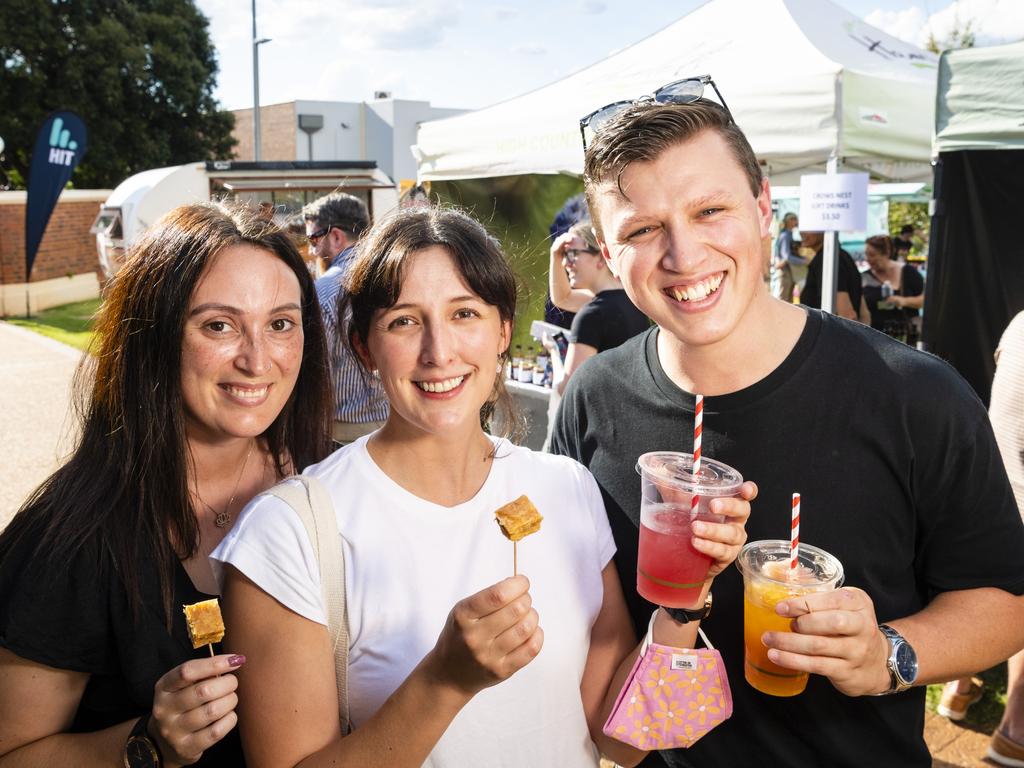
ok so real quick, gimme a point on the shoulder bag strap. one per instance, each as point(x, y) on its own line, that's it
point(313, 505)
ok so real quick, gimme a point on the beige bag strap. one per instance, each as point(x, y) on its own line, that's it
point(313, 505)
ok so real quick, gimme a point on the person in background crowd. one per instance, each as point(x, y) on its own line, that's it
point(296, 229)
point(894, 292)
point(207, 384)
point(333, 225)
point(791, 265)
point(1006, 409)
point(912, 499)
point(902, 245)
point(416, 196)
point(579, 281)
point(849, 294)
point(433, 300)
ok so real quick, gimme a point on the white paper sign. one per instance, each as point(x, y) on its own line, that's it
point(834, 202)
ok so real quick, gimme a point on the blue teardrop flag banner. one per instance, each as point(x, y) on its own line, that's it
point(60, 146)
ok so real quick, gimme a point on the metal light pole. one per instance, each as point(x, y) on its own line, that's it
point(256, 43)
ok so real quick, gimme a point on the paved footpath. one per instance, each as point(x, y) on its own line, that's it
point(36, 426)
point(37, 432)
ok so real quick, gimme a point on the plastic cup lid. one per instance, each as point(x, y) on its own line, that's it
point(673, 469)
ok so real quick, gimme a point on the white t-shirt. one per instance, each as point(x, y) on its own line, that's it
point(409, 561)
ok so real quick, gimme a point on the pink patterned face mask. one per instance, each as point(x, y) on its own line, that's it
point(671, 697)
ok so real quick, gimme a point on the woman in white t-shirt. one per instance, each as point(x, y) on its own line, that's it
point(432, 301)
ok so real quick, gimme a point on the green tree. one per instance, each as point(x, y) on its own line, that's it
point(960, 36)
point(140, 73)
point(916, 215)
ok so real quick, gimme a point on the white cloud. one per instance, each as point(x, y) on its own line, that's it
point(505, 12)
point(593, 7)
point(353, 25)
point(530, 49)
point(906, 24)
point(353, 79)
point(992, 21)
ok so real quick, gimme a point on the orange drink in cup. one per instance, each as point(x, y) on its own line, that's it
point(768, 579)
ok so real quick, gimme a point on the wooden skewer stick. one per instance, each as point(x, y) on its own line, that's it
point(210, 646)
point(515, 558)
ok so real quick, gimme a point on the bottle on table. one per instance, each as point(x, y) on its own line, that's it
point(517, 363)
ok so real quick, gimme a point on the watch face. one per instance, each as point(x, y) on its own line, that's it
point(139, 753)
point(906, 663)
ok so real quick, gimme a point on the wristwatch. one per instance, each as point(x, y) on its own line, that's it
point(141, 751)
point(686, 615)
point(902, 661)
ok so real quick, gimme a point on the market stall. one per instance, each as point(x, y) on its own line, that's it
point(976, 258)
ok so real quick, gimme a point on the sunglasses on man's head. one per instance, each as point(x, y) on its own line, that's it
point(685, 91)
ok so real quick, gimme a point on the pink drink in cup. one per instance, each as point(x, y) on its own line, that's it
point(670, 571)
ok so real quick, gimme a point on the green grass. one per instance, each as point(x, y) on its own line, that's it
point(70, 323)
point(985, 715)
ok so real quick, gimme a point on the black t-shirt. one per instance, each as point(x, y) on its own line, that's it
point(912, 498)
point(847, 279)
point(911, 284)
point(607, 320)
point(79, 619)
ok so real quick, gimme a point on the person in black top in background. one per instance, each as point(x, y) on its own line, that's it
point(849, 294)
point(913, 500)
point(207, 383)
point(582, 283)
point(902, 245)
point(893, 291)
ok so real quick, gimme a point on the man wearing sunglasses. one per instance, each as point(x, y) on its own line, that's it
point(911, 498)
point(333, 225)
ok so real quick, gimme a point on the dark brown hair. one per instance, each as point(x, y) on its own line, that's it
point(375, 279)
point(125, 488)
point(642, 132)
point(881, 243)
point(339, 209)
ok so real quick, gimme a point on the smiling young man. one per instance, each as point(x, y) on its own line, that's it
point(913, 500)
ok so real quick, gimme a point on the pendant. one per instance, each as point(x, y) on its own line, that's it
point(222, 519)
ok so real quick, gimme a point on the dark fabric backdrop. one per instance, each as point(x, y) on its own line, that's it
point(975, 282)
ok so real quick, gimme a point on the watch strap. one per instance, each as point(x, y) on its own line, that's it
point(896, 682)
point(686, 615)
point(140, 735)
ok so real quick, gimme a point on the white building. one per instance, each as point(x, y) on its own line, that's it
point(381, 130)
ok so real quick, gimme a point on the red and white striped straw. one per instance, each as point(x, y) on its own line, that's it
point(794, 535)
point(698, 428)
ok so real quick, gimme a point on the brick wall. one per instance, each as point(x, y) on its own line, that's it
point(67, 247)
point(278, 125)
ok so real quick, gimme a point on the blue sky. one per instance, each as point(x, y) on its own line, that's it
point(457, 53)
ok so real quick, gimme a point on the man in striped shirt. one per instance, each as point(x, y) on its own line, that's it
point(333, 225)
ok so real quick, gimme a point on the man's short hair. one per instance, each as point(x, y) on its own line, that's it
point(642, 132)
point(340, 210)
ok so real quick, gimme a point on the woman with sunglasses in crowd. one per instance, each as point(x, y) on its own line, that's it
point(448, 665)
point(583, 283)
point(207, 383)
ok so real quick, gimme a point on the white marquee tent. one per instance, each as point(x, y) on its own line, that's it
point(803, 78)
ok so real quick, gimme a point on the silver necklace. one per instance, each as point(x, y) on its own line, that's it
point(223, 518)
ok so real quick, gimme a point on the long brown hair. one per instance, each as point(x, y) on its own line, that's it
point(125, 487)
point(375, 280)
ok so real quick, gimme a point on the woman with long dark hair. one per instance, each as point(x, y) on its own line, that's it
point(207, 384)
point(432, 304)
